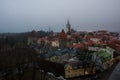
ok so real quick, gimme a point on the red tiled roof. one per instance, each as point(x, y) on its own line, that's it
point(63, 35)
point(115, 44)
point(80, 45)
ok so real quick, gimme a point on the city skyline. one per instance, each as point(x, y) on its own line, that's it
point(84, 15)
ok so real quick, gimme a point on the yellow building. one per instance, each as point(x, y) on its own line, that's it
point(76, 70)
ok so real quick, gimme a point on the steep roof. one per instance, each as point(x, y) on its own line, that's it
point(63, 35)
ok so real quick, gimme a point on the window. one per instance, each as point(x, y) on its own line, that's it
point(69, 71)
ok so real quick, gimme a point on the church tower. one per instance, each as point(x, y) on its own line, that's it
point(68, 32)
point(68, 27)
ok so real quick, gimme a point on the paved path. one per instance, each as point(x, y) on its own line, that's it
point(116, 73)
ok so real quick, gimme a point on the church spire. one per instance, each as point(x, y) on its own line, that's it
point(68, 22)
point(68, 27)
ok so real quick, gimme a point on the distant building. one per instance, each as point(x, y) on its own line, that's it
point(44, 40)
point(62, 39)
point(55, 42)
point(32, 37)
point(104, 58)
point(102, 32)
point(60, 56)
point(68, 32)
point(68, 27)
point(76, 69)
point(95, 40)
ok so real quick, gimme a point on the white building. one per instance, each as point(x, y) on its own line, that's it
point(55, 43)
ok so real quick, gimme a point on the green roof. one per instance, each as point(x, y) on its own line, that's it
point(104, 55)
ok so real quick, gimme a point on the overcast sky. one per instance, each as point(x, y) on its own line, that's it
point(26, 15)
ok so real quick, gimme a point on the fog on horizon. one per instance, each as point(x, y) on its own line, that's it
point(84, 15)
